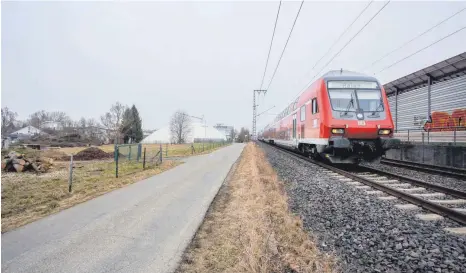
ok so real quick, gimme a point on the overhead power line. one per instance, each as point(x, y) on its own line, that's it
point(271, 42)
point(439, 40)
point(284, 48)
point(418, 36)
point(341, 35)
point(338, 53)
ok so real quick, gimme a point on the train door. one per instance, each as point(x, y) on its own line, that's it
point(294, 130)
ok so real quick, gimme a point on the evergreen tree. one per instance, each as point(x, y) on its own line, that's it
point(137, 133)
point(131, 126)
point(126, 125)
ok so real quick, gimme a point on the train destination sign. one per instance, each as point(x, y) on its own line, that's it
point(352, 84)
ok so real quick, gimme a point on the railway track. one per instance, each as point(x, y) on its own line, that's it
point(413, 191)
point(445, 171)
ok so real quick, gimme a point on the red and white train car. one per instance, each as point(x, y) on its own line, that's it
point(343, 117)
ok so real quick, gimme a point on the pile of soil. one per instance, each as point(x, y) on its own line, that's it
point(92, 153)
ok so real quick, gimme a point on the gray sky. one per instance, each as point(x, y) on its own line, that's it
point(202, 57)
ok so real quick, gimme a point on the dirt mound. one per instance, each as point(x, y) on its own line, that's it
point(92, 153)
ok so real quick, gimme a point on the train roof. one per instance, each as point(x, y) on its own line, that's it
point(343, 75)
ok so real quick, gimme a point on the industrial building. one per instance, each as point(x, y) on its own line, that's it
point(225, 130)
point(198, 133)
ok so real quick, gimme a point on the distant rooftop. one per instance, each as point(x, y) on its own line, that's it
point(442, 71)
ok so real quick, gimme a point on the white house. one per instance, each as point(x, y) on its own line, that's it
point(27, 131)
point(51, 125)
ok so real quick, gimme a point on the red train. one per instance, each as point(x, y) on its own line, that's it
point(343, 117)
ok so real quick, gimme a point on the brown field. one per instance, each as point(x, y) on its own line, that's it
point(249, 227)
point(173, 149)
point(27, 197)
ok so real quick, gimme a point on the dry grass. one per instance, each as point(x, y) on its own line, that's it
point(249, 227)
point(175, 150)
point(181, 150)
point(27, 197)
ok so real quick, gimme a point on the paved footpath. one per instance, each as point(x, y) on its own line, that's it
point(143, 227)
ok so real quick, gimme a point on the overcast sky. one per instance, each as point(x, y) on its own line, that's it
point(202, 57)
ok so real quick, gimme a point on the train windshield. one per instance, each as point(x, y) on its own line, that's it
point(348, 96)
point(342, 100)
point(370, 100)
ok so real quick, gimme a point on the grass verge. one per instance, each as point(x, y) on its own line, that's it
point(249, 227)
point(27, 197)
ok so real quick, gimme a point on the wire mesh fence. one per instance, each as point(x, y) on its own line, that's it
point(182, 150)
point(129, 151)
point(153, 156)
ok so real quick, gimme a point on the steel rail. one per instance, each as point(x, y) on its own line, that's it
point(438, 188)
point(441, 210)
point(448, 171)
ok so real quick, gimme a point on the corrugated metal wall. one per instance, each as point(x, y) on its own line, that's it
point(410, 104)
point(445, 96)
point(449, 95)
point(391, 103)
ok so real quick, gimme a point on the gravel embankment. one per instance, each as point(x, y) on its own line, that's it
point(450, 182)
point(368, 235)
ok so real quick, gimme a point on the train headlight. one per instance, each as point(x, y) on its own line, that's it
point(338, 131)
point(384, 131)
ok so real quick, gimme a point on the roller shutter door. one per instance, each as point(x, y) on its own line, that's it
point(449, 95)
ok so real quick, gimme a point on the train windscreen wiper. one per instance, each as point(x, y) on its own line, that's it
point(375, 113)
point(350, 103)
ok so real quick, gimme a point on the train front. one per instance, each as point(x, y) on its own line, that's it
point(359, 123)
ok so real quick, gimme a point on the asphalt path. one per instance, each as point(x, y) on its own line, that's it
point(143, 227)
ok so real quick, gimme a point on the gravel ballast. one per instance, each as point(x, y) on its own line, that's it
point(367, 234)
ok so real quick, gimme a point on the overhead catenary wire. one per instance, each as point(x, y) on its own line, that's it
point(416, 37)
point(284, 48)
point(271, 42)
point(338, 53)
point(264, 112)
point(409, 56)
point(342, 34)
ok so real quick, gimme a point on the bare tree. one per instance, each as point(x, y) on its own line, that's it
point(37, 119)
point(8, 119)
point(92, 128)
point(82, 122)
point(233, 134)
point(67, 122)
point(243, 135)
point(112, 120)
point(180, 126)
point(57, 116)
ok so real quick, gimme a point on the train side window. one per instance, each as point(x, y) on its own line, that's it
point(315, 108)
point(302, 115)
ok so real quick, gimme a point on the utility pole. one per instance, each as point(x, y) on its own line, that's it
point(254, 111)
